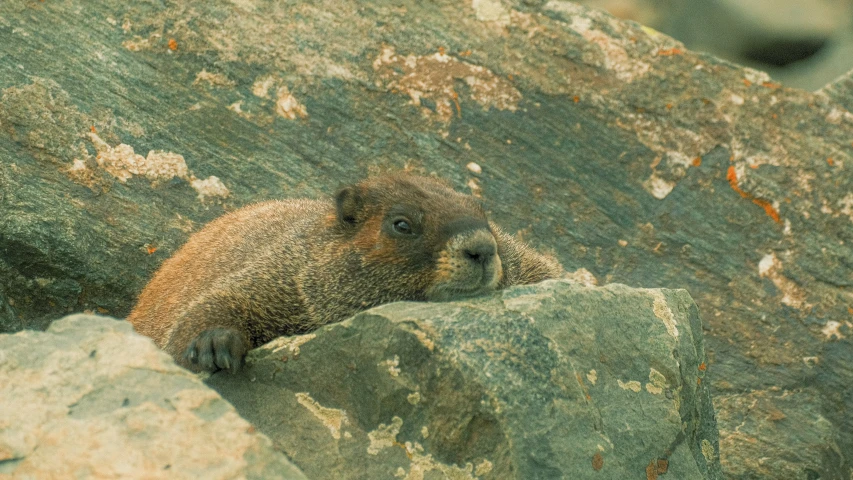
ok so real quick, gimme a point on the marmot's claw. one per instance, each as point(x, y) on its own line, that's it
point(217, 349)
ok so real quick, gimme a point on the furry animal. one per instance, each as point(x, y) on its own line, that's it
point(287, 267)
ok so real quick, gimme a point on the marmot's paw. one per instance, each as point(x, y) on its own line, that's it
point(217, 349)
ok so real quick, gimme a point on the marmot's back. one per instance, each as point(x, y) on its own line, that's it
point(285, 267)
point(227, 246)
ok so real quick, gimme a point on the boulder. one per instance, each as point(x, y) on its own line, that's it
point(775, 32)
point(89, 398)
point(125, 126)
point(800, 44)
point(537, 382)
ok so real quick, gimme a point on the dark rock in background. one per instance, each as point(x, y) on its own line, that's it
point(538, 382)
point(126, 126)
point(802, 44)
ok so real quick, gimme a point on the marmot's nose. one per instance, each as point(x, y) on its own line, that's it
point(480, 251)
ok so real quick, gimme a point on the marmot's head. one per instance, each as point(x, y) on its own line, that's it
point(417, 231)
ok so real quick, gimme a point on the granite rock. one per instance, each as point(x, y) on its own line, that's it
point(547, 381)
point(124, 126)
point(89, 398)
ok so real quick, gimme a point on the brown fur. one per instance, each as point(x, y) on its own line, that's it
point(290, 266)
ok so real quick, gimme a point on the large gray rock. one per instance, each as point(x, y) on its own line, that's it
point(91, 399)
point(610, 144)
point(537, 382)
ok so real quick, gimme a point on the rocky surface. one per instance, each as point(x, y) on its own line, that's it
point(801, 44)
point(125, 126)
point(89, 398)
point(537, 382)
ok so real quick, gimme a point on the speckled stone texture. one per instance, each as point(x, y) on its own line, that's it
point(91, 399)
point(537, 382)
point(124, 126)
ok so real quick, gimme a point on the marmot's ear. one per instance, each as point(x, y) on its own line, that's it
point(348, 203)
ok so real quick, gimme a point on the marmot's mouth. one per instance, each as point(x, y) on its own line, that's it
point(467, 283)
point(446, 292)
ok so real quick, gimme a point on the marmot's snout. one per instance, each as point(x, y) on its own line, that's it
point(469, 265)
point(481, 250)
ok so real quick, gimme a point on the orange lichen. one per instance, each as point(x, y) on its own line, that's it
point(597, 461)
point(697, 161)
point(770, 85)
point(669, 106)
point(150, 248)
point(576, 99)
point(703, 367)
point(405, 449)
point(731, 176)
point(173, 44)
point(670, 52)
point(651, 471)
point(768, 208)
point(747, 82)
point(830, 161)
point(455, 97)
point(656, 467)
point(92, 129)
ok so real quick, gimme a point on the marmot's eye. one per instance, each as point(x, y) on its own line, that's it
point(402, 226)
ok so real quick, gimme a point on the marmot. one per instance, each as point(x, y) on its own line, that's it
point(289, 266)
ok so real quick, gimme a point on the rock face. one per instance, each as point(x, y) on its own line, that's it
point(124, 126)
point(801, 44)
point(538, 382)
point(91, 399)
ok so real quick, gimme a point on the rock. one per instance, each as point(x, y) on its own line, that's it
point(610, 144)
point(548, 381)
point(800, 44)
point(745, 26)
point(91, 399)
point(825, 66)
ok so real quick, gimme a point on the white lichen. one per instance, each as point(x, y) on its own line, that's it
point(663, 312)
point(632, 385)
point(123, 163)
point(385, 436)
point(792, 295)
point(657, 382)
point(491, 11)
point(332, 418)
point(392, 364)
point(287, 106)
point(592, 376)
